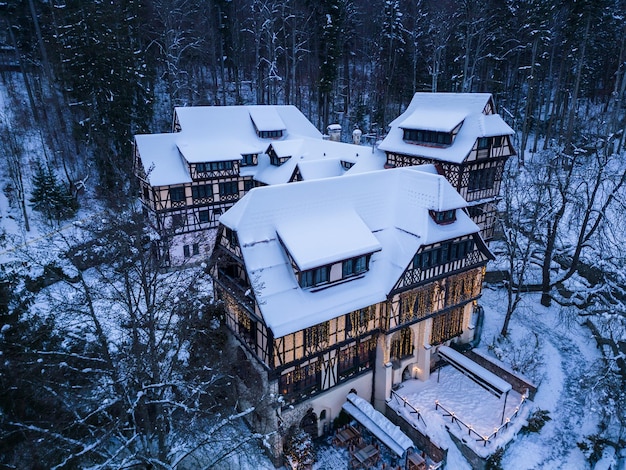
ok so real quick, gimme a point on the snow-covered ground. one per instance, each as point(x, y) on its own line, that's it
point(567, 351)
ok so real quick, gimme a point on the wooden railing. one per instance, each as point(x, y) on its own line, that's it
point(471, 430)
point(405, 403)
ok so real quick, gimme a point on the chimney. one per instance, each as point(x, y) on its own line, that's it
point(334, 132)
point(356, 136)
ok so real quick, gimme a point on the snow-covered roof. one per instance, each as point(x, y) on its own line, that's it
point(266, 118)
point(384, 430)
point(443, 112)
point(217, 133)
point(314, 241)
point(161, 159)
point(197, 151)
point(434, 120)
point(316, 158)
point(318, 221)
point(235, 123)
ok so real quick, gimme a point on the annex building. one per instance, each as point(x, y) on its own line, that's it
point(189, 177)
point(464, 137)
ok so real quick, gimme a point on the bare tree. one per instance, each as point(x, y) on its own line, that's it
point(522, 211)
point(157, 381)
point(13, 152)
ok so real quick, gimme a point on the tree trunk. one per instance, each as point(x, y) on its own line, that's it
point(574, 102)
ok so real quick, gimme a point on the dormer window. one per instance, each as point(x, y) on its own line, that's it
point(346, 165)
point(270, 134)
point(314, 277)
point(420, 136)
point(249, 159)
point(355, 266)
point(267, 122)
point(443, 217)
point(276, 160)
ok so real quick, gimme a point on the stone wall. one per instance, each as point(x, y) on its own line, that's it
point(421, 441)
point(520, 384)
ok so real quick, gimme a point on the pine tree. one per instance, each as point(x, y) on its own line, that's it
point(51, 197)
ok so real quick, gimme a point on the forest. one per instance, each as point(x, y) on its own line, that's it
point(81, 78)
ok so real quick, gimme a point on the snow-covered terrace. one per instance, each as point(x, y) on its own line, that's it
point(451, 402)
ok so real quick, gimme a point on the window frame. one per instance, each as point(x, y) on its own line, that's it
point(201, 191)
point(314, 277)
point(179, 192)
point(226, 188)
point(423, 136)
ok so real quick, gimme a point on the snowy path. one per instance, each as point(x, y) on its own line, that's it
point(569, 352)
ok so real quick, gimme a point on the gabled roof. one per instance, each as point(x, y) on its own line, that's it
point(381, 212)
point(237, 122)
point(316, 158)
point(443, 112)
point(161, 159)
point(266, 118)
point(322, 239)
point(217, 133)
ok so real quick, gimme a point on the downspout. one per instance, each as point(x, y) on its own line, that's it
point(478, 328)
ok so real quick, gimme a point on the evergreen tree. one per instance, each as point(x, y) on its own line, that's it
point(51, 197)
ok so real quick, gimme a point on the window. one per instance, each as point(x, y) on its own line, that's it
point(313, 277)
point(321, 275)
point(367, 352)
point(317, 335)
point(203, 216)
point(214, 166)
point(177, 221)
point(428, 137)
point(274, 160)
point(230, 235)
point(358, 321)
point(191, 251)
point(450, 251)
point(270, 134)
point(248, 185)
point(177, 194)
point(497, 141)
point(443, 217)
point(484, 143)
point(354, 266)
point(346, 165)
point(229, 188)
point(203, 191)
point(483, 178)
point(301, 379)
point(347, 360)
point(248, 159)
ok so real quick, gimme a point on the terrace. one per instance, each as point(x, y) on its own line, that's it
point(453, 401)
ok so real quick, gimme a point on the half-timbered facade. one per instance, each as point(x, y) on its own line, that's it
point(189, 177)
point(464, 137)
point(216, 154)
point(348, 283)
